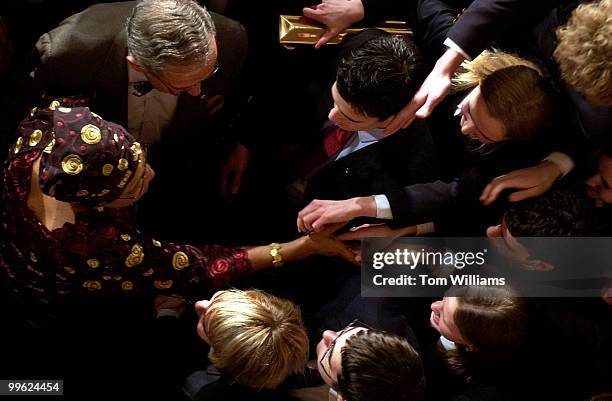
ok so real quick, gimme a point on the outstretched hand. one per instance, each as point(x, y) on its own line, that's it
point(533, 181)
point(433, 90)
point(320, 213)
point(336, 15)
point(326, 244)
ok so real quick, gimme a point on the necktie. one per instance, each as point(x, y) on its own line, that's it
point(141, 88)
point(335, 139)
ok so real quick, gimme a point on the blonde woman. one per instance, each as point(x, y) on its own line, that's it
point(256, 341)
point(502, 103)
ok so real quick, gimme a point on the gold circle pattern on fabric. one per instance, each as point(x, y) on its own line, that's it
point(90, 134)
point(107, 169)
point(35, 137)
point(180, 260)
point(72, 164)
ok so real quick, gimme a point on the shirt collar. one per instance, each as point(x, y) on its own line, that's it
point(372, 135)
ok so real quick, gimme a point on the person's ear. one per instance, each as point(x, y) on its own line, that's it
point(494, 231)
point(132, 63)
point(385, 123)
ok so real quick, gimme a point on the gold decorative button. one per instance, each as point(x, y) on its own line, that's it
point(163, 284)
point(127, 286)
point(156, 243)
point(93, 263)
point(107, 169)
point(49, 147)
point(33, 111)
point(72, 164)
point(92, 285)
point(33, 257)
point(180, 260)
point(123, 164)
point(135, 257)
point(126, 237)
point(90, 134)
point(17, 146)
point(35, 137)
point(54, 104)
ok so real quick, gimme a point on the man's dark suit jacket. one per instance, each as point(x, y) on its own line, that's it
point(86, 55)
point(404, 158)
point(475, 28)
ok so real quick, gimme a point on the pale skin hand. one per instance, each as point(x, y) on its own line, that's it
point(336, 15)
point(534, 181)
point(233, 169)
point(320, 213)
point(433, 90)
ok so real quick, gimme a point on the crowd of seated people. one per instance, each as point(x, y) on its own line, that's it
point(493, 119)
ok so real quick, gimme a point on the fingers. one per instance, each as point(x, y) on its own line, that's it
point(494, 188)
point(526, 194)
point(345, 253)
point(407, 115)
point(329, 34)
point(312, 11)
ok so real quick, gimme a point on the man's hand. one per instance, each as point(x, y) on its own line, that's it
point(433, 90)
point(533, 180)
point(320, 213)
point(336, 15)
point(233, 169)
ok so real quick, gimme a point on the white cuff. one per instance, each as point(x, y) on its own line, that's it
point(425, 228)
point(383, 207)
point(452, 45)
point(563, 161)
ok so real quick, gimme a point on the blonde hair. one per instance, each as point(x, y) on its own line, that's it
point(584, 48)
point(256, 338)
point(511, 87)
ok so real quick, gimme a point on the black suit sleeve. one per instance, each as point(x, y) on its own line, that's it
point(484, 19)
point(420, 203)
point(434, 19)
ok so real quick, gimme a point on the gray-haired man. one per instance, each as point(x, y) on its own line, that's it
point(161, 68)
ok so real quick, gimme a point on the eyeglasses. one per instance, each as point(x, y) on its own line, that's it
point(329, 351)
point(177, 91)
point(141, 151)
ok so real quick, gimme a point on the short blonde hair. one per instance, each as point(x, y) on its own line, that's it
point(256, 338)
point(513, 90)
point(584, 48)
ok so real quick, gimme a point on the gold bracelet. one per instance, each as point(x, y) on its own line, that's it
point(277, 258)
